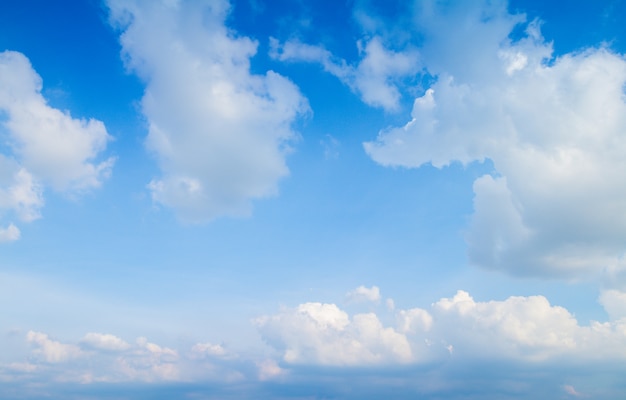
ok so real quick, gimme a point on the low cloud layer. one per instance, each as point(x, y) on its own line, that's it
point(455, 329)
point(429, 348)
point(220, 133)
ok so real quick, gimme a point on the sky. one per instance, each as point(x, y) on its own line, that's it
point(281, 199)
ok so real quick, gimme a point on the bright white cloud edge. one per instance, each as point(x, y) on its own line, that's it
point(220, 133)
point(46, 147)
point(452, 330)
point(553, 128)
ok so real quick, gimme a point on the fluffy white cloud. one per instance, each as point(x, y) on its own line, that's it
point(374, 78)
point(456, 329)
point(101, 357)
point(614, 302)
point(19, 191)
point(209, 349)
point(55, 147)
point(148, 362)
point(363, 293)
point(44, 146)
point(219, 132)
point(50, 350)
point(9, 234)
point(553, 128)
point(324, 334)
point(105, 342)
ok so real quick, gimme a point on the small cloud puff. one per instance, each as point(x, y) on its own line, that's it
point(99, 357)
point(364, 294)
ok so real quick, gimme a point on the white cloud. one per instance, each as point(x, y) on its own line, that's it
point(104, 342)
point(364, 294)
point(518, 327)
point(323, 334)
point(456, 329)
point(220, 133)
point(9, 234)
point(49, 143)
point(614, 302)
point(375, 78)
point(269, 369)
point(50, 350)
point(44, 146)
point(553, 129)
point(101, 357)
point(149, 362)
point(414, 320)
point(208, 349)
point(19, 191)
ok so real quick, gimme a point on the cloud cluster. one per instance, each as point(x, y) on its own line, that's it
point(323, 334)
point(41, 145)
point(375, 78)
point(219, 132)
point(456, 329)
point(450, 334)
point(99, 357)
point(552, 126)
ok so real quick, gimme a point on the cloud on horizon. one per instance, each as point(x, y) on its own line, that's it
point(456, 329)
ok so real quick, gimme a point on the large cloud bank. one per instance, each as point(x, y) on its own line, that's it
point(553, 126)
point(455, 329)
point(220, 133)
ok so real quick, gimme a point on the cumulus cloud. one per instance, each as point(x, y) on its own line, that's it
point(316, 333)
point(58, 149)
point(44, 146)
point(219, 132)
point(552, 126)
point(614, 302)
point(364, 294)
point(99, 357)
point(50, 350)
point(209, 350)
point(375, 77)
point(19, 191)
point(9, 234)
point(104, 342)
point(455, 329)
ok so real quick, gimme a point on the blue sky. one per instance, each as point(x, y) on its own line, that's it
point(296, 199)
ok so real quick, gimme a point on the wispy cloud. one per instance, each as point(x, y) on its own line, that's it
point(375, 77)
